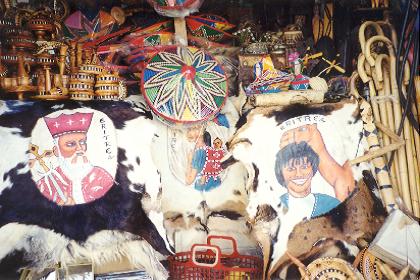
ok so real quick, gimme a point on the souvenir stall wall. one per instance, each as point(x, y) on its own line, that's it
point(209, 139)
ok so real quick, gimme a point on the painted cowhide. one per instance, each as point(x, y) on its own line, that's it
point(199, 196)
point(298, 160)
point(43, 211)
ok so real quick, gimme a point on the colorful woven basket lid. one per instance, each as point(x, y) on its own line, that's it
point(200, 29)
point(332, 268)
point(214, 21)
point(184, 85)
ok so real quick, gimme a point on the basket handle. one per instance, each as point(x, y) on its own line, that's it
point(205, 247)
point(229, 238)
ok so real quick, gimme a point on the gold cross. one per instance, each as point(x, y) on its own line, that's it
point(34, 149)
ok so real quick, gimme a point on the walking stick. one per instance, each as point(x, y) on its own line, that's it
point(370, 132)
point(385, 107)
point(362, 34)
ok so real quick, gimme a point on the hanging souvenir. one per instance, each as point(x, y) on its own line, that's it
point(79, 27)
point(214, 21)
point(184, 85)
point(175, 8)
point(201, 29)
point(71, 160)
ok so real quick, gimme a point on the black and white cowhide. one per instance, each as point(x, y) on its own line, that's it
point(192, 214)
point(291, 150)
point(124, 222)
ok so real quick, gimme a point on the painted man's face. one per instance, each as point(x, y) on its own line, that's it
point(72, 145)
point(298, 175)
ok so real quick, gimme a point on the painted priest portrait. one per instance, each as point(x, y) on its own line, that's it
point(75, 180)
point(301, 156)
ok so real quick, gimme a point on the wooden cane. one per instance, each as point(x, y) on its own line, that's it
point(390, 274)
point(378, 81)
point(412, 155)
point(394, 37)
point(415, 109)
point(405, 183)
point(413, 171)
point(391, 122)
point(362, 32)
point(370, 133)
point(366, 79)
point(385, 109)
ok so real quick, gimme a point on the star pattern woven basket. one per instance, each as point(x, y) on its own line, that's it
point(184, 85)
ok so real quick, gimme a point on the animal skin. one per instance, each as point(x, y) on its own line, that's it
point(256, 143)
point(117, 224)
point(359, 217)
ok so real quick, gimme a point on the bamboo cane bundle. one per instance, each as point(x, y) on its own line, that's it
point(403, 169)
point(364, 75)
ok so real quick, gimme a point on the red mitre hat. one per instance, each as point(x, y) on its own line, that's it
point(63, 124)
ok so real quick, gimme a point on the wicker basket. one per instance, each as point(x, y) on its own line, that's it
point(206, 261)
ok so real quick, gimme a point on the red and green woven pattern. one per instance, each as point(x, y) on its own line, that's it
point(200, 29)
point(184, 85)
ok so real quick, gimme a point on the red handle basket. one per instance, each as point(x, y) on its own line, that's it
point(206, 261)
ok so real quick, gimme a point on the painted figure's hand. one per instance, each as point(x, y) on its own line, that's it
point(308, 133)
point(287, 138)
point(311, 135)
